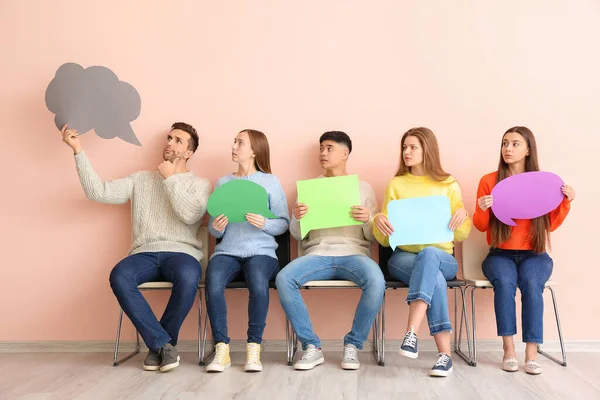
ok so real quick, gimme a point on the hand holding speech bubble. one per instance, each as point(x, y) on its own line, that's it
point(526, 196)
point(93, 98)
point(237, 198)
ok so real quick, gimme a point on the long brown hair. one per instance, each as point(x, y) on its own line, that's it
point(260, 145)
point(431, 154)
point(539, 232)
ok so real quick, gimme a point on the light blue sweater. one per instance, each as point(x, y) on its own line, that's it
point(241, 239)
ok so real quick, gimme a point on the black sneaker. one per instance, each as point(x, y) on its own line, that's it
point(169, 357)
point(442, 367)
point(152, 361)
point(409, 345)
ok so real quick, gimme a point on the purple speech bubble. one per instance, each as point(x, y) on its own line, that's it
point(526, 196)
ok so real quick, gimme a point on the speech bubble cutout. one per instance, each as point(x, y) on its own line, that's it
point(329, 201)
point(93, 98)
point(237, 198)
point(420, 220)
point(527, 195)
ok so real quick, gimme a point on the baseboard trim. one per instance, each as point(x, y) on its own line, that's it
point(105, 346)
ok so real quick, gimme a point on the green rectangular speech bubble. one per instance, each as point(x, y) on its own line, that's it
point(329, 201)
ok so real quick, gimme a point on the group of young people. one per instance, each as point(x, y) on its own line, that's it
point(168, 205)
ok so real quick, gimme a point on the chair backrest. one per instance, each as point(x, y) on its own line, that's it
point(476, 249)
point(202, 235)
point(385, 253)
point(283, 249)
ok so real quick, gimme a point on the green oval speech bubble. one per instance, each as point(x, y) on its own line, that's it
point(237, 198)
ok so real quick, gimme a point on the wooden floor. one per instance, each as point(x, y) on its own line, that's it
point(46, 376)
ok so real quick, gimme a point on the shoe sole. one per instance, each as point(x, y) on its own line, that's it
point(254, 368)
point(533, 373)
point(217, 368)
point(440, 373)
point(171, 366)
point(305, 367)
point(350, 366)
point(510, 370)
point(408, 354)
point(151, 367)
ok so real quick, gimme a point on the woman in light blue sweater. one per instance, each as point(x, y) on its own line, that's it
point(247, 249)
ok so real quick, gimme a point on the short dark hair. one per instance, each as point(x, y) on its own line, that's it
point(338, 137)
point(182, 126)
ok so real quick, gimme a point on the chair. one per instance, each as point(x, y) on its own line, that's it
point(151, 286)
point(456, 284)
point(476, 280)
point(283, 255)
point(291, 339)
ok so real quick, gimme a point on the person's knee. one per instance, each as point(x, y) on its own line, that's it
point(529, 283)
point(118, 278)
point(503, 283)
point(428, 258)
point(189, 273)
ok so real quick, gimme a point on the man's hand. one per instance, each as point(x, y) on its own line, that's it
point(360, 214)
point(168, 168)
point(71, 137)
point(299, 210)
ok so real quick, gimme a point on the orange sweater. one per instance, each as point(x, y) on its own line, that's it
point(519, 234)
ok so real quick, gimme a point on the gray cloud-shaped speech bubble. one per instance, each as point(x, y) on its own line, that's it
point(93, 98)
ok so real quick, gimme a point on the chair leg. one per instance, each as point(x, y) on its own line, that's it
point(382, 339)
point(474, 325)
point(375, 329)
point(463, 319)
point(562, 362)
point(200, 355)
point(118, 341)
point(290, 342)
point(204, 357)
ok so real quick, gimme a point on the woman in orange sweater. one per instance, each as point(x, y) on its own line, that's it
point(517, 256)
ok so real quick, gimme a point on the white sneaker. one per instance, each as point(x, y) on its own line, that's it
point(310, 358)
point(253, 358)
point(350, 360)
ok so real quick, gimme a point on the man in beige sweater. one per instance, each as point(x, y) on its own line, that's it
point(166, 211)
point(336, 253)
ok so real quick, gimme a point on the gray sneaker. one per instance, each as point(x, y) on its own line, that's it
point(169, 357)
point(350, 360)
point(152, 361)
point(310, 358)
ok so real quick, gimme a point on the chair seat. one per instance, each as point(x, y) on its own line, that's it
point(243, 285)
point(156, 285)
point(401, 285)
point(482, 283)
point(329, 284)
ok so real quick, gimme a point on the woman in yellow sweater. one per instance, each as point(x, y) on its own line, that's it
point(427, 267)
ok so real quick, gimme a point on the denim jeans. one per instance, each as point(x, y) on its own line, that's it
point(509, 269)
point(360, 269)
point(181, 269)
point(426, 274)
point(257, 271)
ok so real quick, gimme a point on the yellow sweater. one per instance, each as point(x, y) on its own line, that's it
point(409, 186)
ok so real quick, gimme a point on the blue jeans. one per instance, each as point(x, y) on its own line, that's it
point(181, 269)
point(257, 271)
point(360, 269)
point(426, 274)
point(509, 269)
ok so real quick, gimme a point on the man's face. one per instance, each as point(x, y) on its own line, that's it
point(333, 154)
point(177, 145)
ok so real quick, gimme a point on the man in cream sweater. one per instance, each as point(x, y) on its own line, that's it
point(336, 253)
point(166, 211)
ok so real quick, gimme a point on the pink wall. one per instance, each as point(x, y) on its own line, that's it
point(466, 69)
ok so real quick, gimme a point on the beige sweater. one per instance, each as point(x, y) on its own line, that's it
point(343, 241)
point(165, 213)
